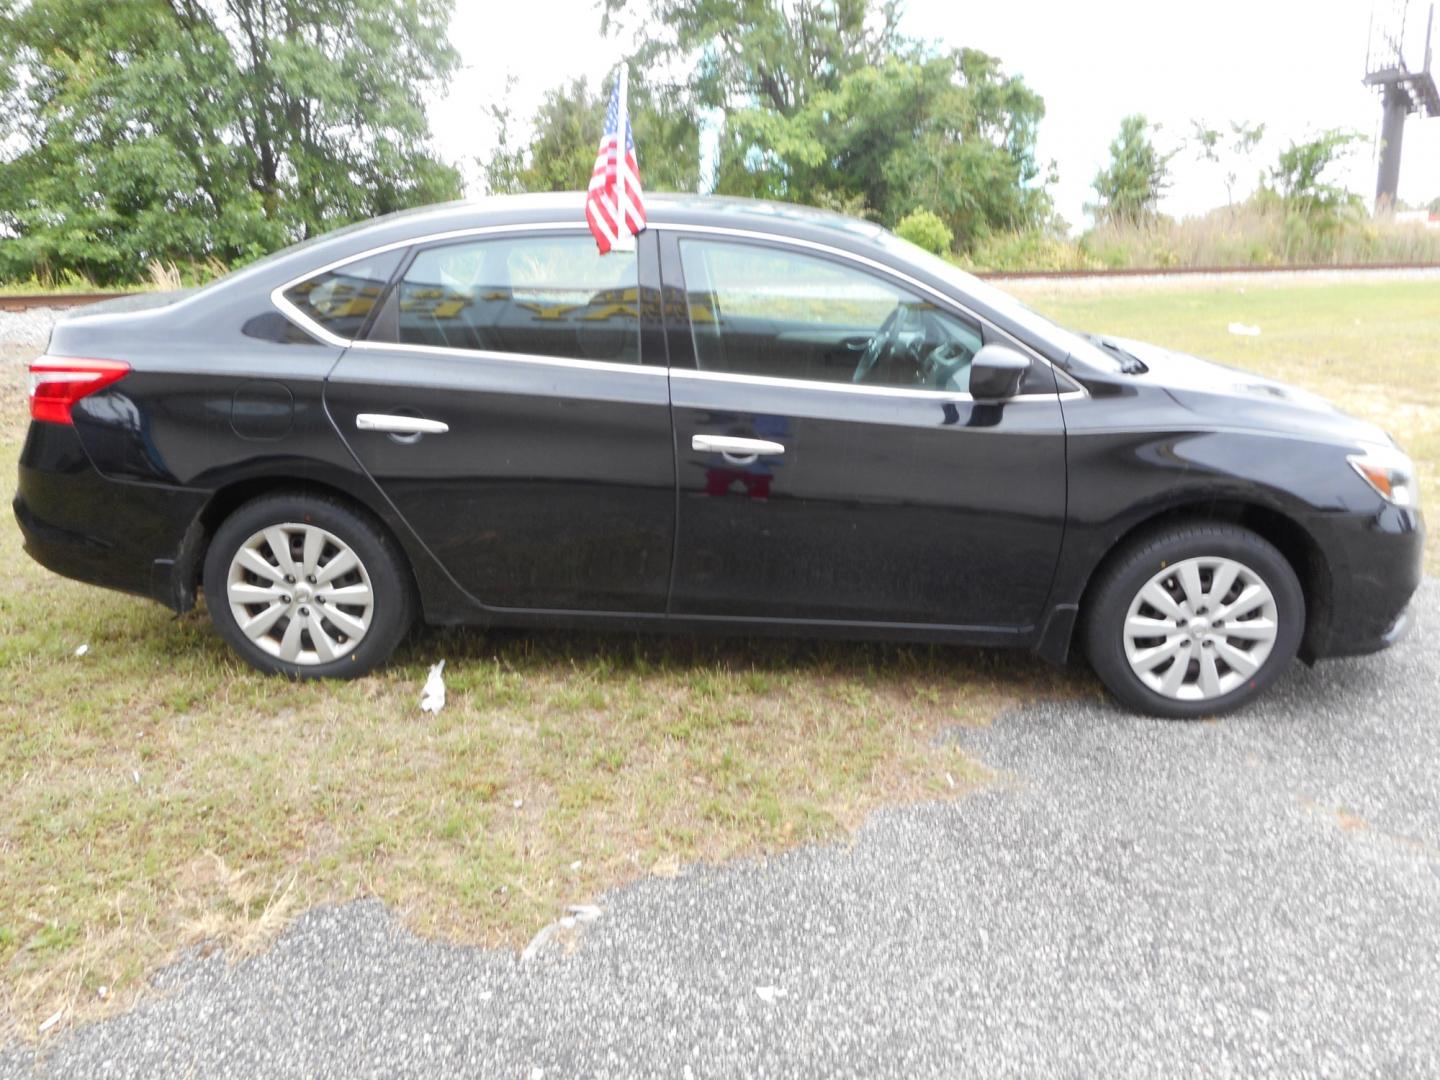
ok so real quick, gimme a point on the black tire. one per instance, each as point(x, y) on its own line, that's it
point(1120, 582)
point(392, 598)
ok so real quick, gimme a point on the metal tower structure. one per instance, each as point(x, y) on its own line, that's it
point(1405, 83)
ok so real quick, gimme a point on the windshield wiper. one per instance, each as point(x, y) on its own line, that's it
point(1130, 364)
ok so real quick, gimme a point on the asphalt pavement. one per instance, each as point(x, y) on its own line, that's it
point(1257, 896)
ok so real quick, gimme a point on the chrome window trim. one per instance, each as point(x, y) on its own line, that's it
point(782, 383)
point(653, 370)
point(887, 269)
point(295, 315)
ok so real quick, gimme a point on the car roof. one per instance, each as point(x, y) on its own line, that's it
point(756, 215)
point(568, 207)
point(716, 210)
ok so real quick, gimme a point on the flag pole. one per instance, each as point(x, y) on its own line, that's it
point(624, 240)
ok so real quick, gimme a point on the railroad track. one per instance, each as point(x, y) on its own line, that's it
point(1190, 271)
point(69, 300)
point(55, 300)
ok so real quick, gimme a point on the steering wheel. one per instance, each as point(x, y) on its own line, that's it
point(943, 367)
point(879, 345)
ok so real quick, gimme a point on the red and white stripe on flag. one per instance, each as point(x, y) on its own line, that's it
point(615, 203)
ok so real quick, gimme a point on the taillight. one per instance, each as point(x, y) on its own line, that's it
point(58, 382)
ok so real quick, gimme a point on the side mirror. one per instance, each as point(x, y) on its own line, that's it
point(996, 371)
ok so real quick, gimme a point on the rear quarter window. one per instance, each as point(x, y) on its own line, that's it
point(342, 299)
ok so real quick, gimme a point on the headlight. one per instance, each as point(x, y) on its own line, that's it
point(1390, 472)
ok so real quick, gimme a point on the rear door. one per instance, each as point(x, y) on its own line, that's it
point(832, 465)
point(511, 405)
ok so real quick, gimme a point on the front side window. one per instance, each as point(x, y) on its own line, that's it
point(342, 299)
point(757, 310)
point(536, 295)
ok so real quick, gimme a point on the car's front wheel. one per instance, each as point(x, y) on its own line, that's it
point(1194, 620)
point(304, 586)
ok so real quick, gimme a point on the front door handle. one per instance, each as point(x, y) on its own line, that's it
point(400, 425)
point(736, 450)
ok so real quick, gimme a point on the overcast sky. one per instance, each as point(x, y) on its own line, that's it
point(1295, 65)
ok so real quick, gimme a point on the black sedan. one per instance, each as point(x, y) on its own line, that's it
point(765, 418)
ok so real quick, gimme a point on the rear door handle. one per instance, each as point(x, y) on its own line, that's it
point(740, 451)
point(400, 425)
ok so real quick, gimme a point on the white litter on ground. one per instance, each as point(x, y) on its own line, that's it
point(575, 915)
point(1244, 329)
point(432, 695)
point(769, 994)
point(47, 1024)
point(82, 650)
point(538, 942)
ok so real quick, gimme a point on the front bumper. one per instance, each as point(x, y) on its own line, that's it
point(1376, 562)
point(111, 533)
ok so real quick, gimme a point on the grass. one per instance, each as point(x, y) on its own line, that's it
point(155, 794)
point(1373, 348)
point(158, 275)
point(79, 287)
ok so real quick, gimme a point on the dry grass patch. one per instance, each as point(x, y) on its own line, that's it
point(156, 794)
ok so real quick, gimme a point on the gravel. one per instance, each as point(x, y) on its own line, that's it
point(1258, 896)
point(30, 327)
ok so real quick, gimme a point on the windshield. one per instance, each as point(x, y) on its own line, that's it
point(1077, 345)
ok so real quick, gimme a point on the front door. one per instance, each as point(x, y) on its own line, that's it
point(831, 463)
point(551, 486)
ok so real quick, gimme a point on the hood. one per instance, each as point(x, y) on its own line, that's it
point(1241, 399)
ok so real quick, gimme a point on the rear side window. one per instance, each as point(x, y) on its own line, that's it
point(552, 295)
point(342, 299)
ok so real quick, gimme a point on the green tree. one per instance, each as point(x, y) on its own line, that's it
point(1300, 176)
point(1138, 174)
point(1231, 153)
point(823, 102)
point(184, 129)
point(1317, 210)
point(567, 127)
point(773, 54)
point(951, 133)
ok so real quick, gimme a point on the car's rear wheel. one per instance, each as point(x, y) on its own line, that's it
point(304, 586)
point(1194, 620)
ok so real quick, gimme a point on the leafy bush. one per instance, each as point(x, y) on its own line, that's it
point(1030, 250)
point(925, 229)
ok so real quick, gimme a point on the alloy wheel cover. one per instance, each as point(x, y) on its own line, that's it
point(1200, 628)
point(300, 594)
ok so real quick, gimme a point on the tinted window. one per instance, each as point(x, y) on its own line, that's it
point(764, 311)
point(341, 300)
point(539, 295)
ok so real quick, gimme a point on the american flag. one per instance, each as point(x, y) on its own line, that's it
point(615, 181)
